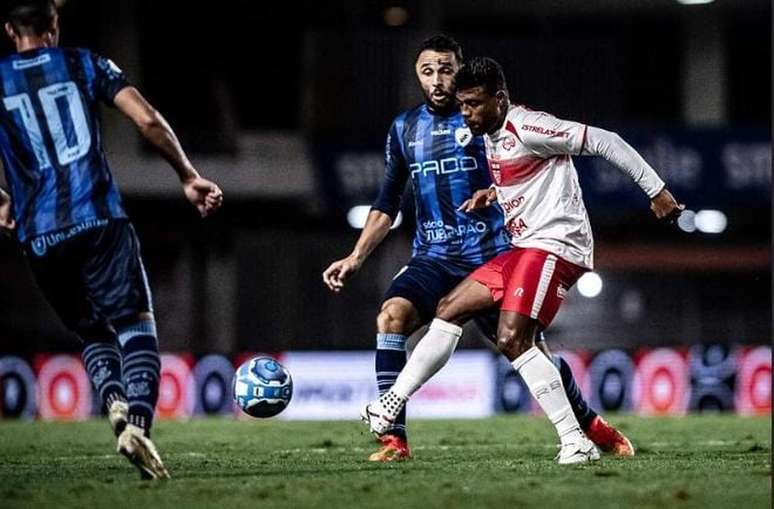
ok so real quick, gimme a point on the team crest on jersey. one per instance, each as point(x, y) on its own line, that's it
point(509, 142)
point(463, 136)
point(497, 176)
point(38, 246)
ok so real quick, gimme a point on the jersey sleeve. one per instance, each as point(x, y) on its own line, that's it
point(395, 175)
point(109, 79)
point(547, 136)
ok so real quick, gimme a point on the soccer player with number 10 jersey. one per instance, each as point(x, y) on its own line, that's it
point(68, 217)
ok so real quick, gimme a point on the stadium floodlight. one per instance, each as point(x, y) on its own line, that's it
point(357, 216)
point(694, 2)
point(687, 221)
point(711, 221)
point(590, 285)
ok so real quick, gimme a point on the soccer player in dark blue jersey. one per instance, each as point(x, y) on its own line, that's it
point(68, 217)
point(431, 146)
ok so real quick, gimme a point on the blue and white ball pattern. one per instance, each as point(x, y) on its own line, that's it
point(262, 387)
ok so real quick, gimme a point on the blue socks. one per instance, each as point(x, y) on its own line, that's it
point(142, 370)
point(390, 360)
point(580, 408)
point(103, 364)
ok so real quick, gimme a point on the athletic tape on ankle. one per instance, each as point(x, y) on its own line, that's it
point(445, 326)
point(140, 328)
point(391, 342)
point(524, 358)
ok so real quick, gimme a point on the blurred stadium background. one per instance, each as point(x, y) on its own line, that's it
point(291, 123)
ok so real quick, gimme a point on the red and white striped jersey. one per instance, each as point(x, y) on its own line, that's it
point(537, 184)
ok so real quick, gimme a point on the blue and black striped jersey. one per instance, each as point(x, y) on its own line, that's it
point(446, 165)
point(50, 138)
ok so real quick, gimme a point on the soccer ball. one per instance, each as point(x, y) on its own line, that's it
point(262, 387)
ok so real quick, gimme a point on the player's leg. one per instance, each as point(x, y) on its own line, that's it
point(397, 320)
point(583, 412)
point(487, 324)
point(118, 286)
point(57, 272)
point(409, 302)
point(598, 430)
point(531, 300)
point(431, 352)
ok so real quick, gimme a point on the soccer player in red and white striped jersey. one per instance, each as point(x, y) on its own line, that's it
point(536, 184)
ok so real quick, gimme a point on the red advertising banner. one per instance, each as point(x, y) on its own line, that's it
point(64, 388)
point(753, 383)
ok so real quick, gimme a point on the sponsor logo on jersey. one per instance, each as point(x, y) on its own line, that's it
point(416, 143)
point(542, 130)
point(509, 142)
point(443, 166)
point(463, 136)
point(513, 204)
point(516, 227)
point(31, 62)
point(519, 292)
point(41, 243)
point(438, 231)
point(441, 132)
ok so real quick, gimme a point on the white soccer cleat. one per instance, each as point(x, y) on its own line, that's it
point(118, 415)
point(575, 453)
point(380, 415)
point(138, 449)
point(374, 415)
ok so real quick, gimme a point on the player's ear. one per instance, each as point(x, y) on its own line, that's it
point(502, 98)
point(9, 31)
point(53, 32)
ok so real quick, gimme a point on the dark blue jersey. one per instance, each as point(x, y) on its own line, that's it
point(50, 138)
point(446, 165)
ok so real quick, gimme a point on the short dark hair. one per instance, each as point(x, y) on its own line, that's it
point(31, 15)
point(441, 42)
point(481, 72)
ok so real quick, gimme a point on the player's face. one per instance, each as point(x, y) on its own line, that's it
point(479, 109)
point(435, 72)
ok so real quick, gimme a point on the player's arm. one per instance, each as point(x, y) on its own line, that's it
point(547, 136)
point(620, 154)
point(205, 195)
point(383, 212)
point(6, 216)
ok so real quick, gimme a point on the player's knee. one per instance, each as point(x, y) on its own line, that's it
point(392, 319)
point(513, 342)
point(447, 309)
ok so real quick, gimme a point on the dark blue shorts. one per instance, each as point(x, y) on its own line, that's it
point(424, 281)
point(91, 274)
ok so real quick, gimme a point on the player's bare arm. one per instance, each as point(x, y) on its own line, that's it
point(205, 195)
point(375, 230)
point(6, 217)
point(480, 199)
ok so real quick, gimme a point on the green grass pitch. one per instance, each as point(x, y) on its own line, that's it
point(697, 461)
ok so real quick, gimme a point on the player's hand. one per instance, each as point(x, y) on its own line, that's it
point(480, 199)
point(339, 271)
point(6, 217)
point(203, 194)
point(666, 207)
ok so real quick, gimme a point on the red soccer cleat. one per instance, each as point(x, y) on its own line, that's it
point(393, 449)
point(609, 439)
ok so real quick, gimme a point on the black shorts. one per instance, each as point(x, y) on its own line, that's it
point(424, 281)
point(91, 274)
